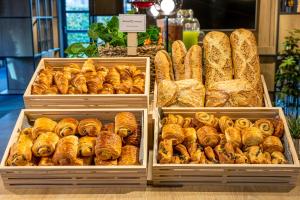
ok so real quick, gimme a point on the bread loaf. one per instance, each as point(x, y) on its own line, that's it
point(218, 60)
point(178, 55)
point(163, 66)
point(193, 63)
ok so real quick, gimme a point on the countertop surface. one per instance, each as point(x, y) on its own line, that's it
point(199, 192)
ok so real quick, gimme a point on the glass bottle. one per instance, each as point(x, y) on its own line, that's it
point(191, 32)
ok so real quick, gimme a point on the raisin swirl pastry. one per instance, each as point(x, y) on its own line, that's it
point(206, 119)
point(225, 122)
point(265, 126)
point(66, 126)
point(242, 123)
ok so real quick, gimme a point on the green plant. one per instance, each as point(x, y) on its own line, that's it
point(294, 126)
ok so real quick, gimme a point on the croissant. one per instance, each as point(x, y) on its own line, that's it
point(102, 72)
point(66, 151)
point(184, 155)
point(129, 155)
point(86, 146)
point(45, 144)
point(233, 136)
point(242, 123)
point(208, 136)
point(134, 139)
point(187, 122)
point(90, 127)
point(278, 158)
point(278, 127)
point(61, 82)
point(225, 122)
point(113, 77)
point(73, 90)
point(138, 86)
point(46, 161)
point(94, 83)
point(165, 151)
point(252, 136)
point(107, 89)
point(190, 135)
point(122, 89)
point(271, 144)
point(45, 77)
point(39, 88)
point(125, 76)
point(125, 124)
point(79, 82)
point(173, 132)
point(210, 155)
point(98, 161)
point(173, 119)
point(265, 126)
point(51, 90)
point(108, 146)
point(42, 125)
point(240, 157)
point(195, 152)
point(71, 70)
point(66, 126)
point(88, 66)
point(206, 119)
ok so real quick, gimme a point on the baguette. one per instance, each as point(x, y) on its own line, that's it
point(163, 66)
point(193, 63)
point(178, 55)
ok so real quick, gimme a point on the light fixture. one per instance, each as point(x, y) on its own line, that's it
point(153, 11)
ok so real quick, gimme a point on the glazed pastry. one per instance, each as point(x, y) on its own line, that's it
point(86, 146)
point(165, 151)
point(94, 83)
point(195, 152)
point(125, 124)
point(66, 151)
point(45, 144)
point(20, 152)
point(278, 158)
point(138, 86)
point(71, 70)
point(271, 144)
point(187, 122)
point(134, 138)
point(107, 89)
point(193, 96)
point(79, 82)
point(278, 127)
point(206, 119)
point(61, 82)
point(190, 135)
point(225, 122)
point(88, 66)
point(240, 157)
point(110, 127)
point(129, 155)
point(108, 146)
point(98, 161)
point(193, 63)
point(66, 126)
point(210, 155)
point(46, 161)
point(90, 127)
point(167, 93)
point(233, 136)
point(173, 119)
point(208, 136)
point(184, 155)
point(173, 132)
point(242, 123)
point(178, 55)
point(265, 126)
point(163, 66)
point(251, 136)
point(42, 125)
point(217, 53)
point(113, 77)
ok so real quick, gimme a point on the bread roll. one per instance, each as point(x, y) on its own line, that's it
point(178, 55)
point(193, 63)
point(167, 92)
point(163, 66)
point(217, 58)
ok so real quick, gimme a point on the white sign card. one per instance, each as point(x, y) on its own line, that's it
point(132, 23)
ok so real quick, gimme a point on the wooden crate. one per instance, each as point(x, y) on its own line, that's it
point(90, 100)
point(227, 174)
point(266, 95)
point(75, 176)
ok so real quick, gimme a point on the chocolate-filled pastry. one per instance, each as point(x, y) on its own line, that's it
point(278, 158)
point(61, 82)
point(252, 136)
point(208, 136)
point(108, 146)
point(110, 127)
point(167, 92)
point(242, 123)
point(138, 86)
point(113, 77)
point(79, 82)
point(210, 155)
point(233, 136)
point(265, 126)
point(90, 127)
point(125, 124)
point(165, 151)
point(98, 161)
point(240, 157)
point(271, 144)
point(190, 135)
point(184, 155)
point(107, 89)
point(173, 119)
point(195, 152)
point(20, 152)
point(45, 144)
point(86, 146)
point(278, 127)
point(66, 151)
point(134, 139)
point(88, 66)
point(71, 70)
point(129, 155)
point(46, 161)
point(41, 125)
point(66, 126)
point(173, 132)
point(225, 122)
point(187, 122)
point(207, 119)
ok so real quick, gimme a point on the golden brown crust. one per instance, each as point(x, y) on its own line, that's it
point(184, 155)
point(233, 136)
point(242, 123)
point(271, 144)
point(193, 63)
point(190, 135)
point(134, 138)
point(129, 155)
point(66, 126)
point(125, 124)
point(251, 136)
point(278, 158)
point(163, 66)
point(265, 126)
point(192, 95)
point(79, 82)
point(108, 146)
point(225, 122)
point(45, 144)
point(210, 155)
point(98, 161)
point(173, 119)
point(46, 161)
point(41, 125)
point(90, 127)
point(88, 66)
point(94, 83)
point(86, 146)
point(208, 136)
point(167, 93)
point(165, 151)
point(178, 55)
point(173, 132)
point(206, 119)
point(278, 127)
point(61, 82)
point(113, 77)
point(71, 70)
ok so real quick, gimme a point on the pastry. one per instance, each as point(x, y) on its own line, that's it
point(223, 140)
point(208, 136)
point(88, 160)
point(138, 86)
point(210, 155)
point(113, 77)
point(165, 151)
point(242, 123)
point(257, 156)
point(190, 135)
point(271, 144)
point(184, 155)
point(98, 161)
point(102, 72)
point(233, 136)
point(88, 66)
point(129, 155)
point(66, 126)
point(79, 82)
point(86, 146)
point(94, 83)
point(278, 158)
point(45, 144)
point(46, 161)
point(278, 127)
point(206, 119)
point(240, 157)
point(108, 146)
point(193, 63)
point(71, 70)
point(51, 90)
point(251, 136)
point(187, 122)
point(265, 126)
point(110, 127)
point(167, 92)
point(134, 138)
point(173, 119)
point(66, 151)
point(163, 66)
point(61, 82)
point(225, 122)
point(41, 125)
point(195, 152)
point(90, 127)
point(125, 124)
point(38, 88)
point(225, 153)
point(178, 55)
point(173, 132)
point(176, 160)
point(107, 89)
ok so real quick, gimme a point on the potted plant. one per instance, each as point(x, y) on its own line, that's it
point(294, 126)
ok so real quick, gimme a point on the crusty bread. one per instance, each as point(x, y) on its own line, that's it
point(178, 55)
point(193, 63)
point(163, 66)
point(218, 60)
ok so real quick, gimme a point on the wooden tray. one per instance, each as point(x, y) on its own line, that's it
point(90, 100)
point(75, 176)
point(266, 95)
point(227, 174)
